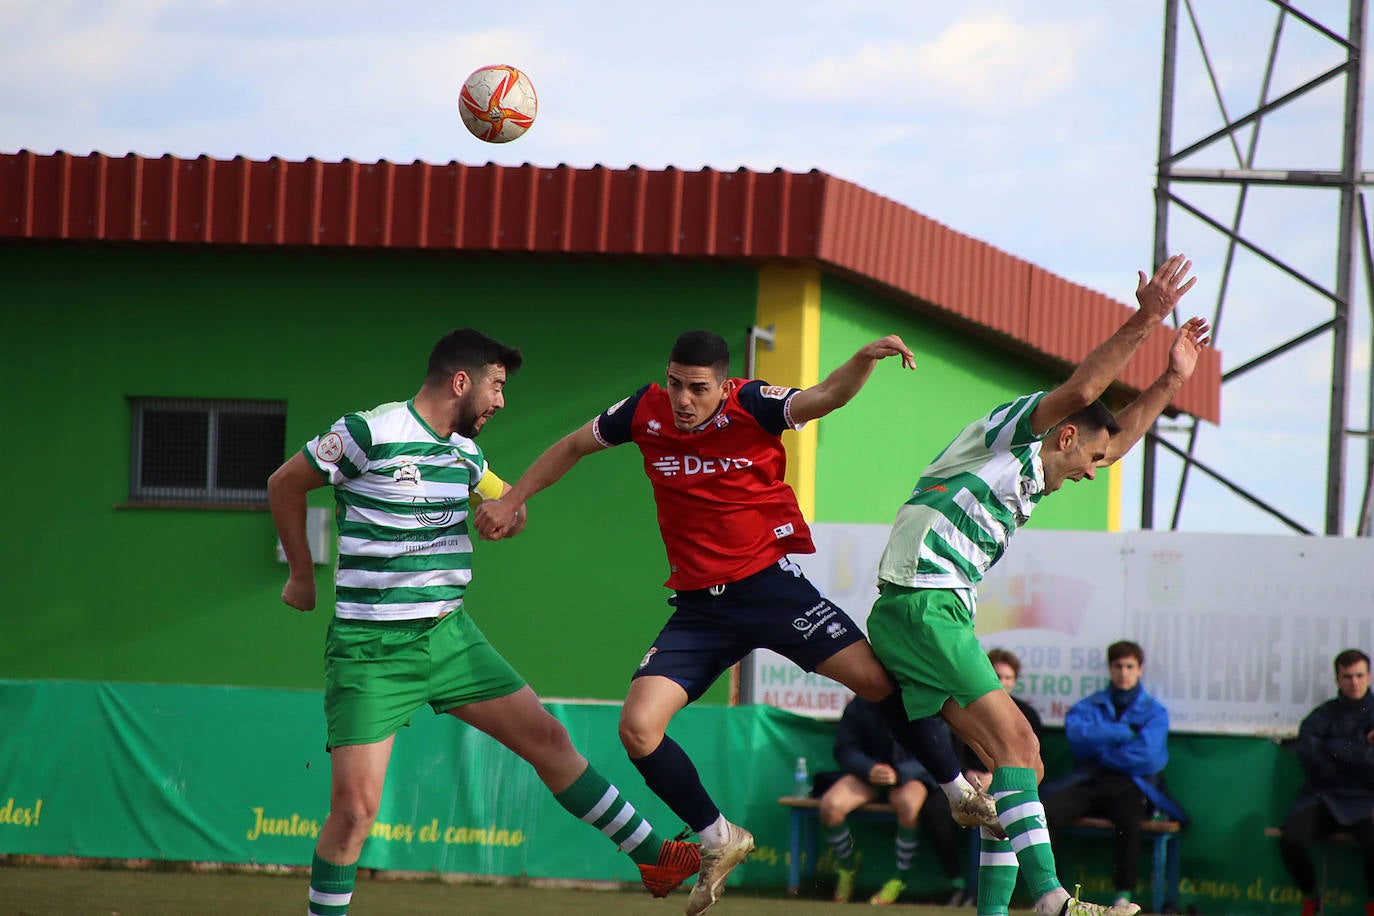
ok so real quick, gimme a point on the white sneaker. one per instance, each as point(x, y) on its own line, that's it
point(977, 809)
point(1075, 907)
point(716, 865)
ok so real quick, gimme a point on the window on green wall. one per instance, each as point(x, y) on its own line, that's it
point(204, 452)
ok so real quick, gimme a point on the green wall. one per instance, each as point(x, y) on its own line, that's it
point(99, 592)
point(870, 452)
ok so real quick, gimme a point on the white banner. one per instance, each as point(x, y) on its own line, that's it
point(1238, 630)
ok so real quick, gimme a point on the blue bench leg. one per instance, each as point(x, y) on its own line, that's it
point(1173, 870)
point(794, 854)
point(1157, 877)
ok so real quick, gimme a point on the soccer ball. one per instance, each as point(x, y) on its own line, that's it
point(497, 103)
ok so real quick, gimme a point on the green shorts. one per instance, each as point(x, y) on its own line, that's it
point(378, 673)
point(924, 636)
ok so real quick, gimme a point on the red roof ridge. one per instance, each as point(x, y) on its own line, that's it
point(808, 217)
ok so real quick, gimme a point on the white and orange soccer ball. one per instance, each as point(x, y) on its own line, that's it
point(497, 103)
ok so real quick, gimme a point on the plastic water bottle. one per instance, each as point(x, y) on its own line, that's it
point(801, 780)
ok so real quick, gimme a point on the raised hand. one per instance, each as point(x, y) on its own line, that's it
point(1188, 342)
point(1159, 294)
point(891, 345)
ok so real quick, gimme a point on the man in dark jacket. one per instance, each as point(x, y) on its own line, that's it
point(1119, 741)
point(1336, 750)
point(875, 765)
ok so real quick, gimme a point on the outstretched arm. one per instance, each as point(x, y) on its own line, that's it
point(1157, 297)
point(840, 386)
point(1140, 414)
point(498, 518)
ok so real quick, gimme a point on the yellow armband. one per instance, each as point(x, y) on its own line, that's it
point(489, 487)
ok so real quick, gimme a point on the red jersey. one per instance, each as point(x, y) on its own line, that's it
point(723, 509)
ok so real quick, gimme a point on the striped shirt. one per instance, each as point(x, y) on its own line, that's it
point(402, 500)
point(967, 504)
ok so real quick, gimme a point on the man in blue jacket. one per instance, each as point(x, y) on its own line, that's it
point(1336, 750)
point(1119, 741)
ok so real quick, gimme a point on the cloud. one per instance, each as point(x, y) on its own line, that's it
point(988, 62)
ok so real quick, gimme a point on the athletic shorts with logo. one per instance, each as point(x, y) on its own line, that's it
point(776, 608)
point(377, 674)
point(924, 637)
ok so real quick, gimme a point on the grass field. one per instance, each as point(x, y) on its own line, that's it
point(49, 891)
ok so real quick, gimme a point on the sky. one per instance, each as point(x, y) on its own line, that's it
point(1031, 126)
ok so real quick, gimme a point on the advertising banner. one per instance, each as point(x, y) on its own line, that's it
point(1239, 631)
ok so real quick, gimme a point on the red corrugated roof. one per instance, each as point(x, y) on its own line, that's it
point(809, 216)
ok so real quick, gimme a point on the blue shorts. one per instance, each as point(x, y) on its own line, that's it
point(776, 608)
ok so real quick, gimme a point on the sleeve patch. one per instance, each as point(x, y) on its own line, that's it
point(776, 392)
point(330, 448)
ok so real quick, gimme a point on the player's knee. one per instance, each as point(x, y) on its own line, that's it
point(354, 820)
point(640, 735)
point(832, 812)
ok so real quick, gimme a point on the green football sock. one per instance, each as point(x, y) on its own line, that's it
point(331, 887)
point(1020, 811)
point(904, 849)
point(842, 845)
point(594, 800)
point(997, 870)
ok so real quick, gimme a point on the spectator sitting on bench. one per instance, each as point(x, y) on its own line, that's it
point(1336, 750)
point(1119, 741)
point(875, 765)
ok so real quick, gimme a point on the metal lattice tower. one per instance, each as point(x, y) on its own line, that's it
point(1207, 180)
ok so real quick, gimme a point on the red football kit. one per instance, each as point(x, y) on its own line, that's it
point(724, 510)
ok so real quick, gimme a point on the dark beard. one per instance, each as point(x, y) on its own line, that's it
point(467, 422)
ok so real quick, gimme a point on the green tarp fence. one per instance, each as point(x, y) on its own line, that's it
point(236, 775)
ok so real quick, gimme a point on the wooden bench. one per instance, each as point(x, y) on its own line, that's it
point(1161, 835)
point(1339, 837)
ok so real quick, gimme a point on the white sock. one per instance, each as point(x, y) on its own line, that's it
point(957, 787)
point(716, 834)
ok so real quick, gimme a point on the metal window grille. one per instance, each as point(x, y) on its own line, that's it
point(205, 451)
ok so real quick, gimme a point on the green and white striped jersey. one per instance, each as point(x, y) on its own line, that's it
point(967, 503)
point(402, 499)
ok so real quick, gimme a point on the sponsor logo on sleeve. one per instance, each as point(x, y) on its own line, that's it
point(776, 392)
point(330, 448)
point(616, 406)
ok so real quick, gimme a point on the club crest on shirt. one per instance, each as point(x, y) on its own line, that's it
point(776, 392)
point(722, 421)
point(407, 473)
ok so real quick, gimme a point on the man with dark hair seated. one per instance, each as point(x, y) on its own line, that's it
point(1336, 750)
point(1119, 741)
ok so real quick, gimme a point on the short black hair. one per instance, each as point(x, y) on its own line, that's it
point(1094, 417)
point(1350, 657)
point(466, 350)
point(1126, 649)
point(702, 348)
